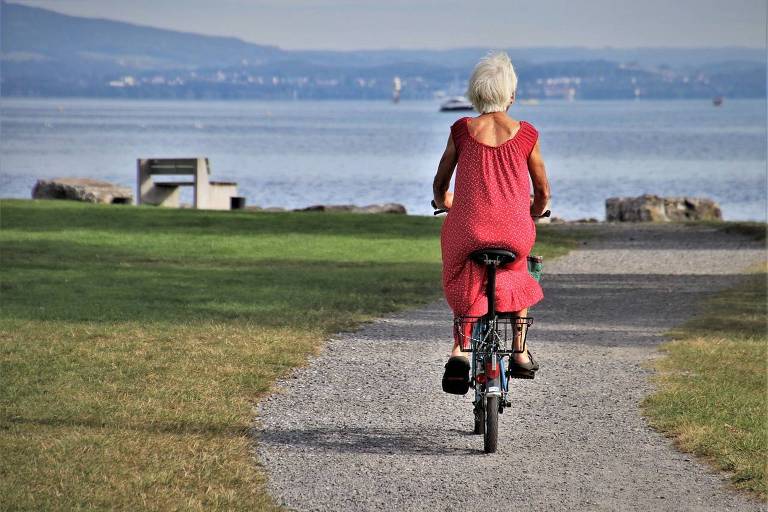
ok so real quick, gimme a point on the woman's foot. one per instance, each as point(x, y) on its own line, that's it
point(521, 357)
point(525, 358)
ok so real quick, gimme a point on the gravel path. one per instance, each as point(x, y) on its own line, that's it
point(365, 425)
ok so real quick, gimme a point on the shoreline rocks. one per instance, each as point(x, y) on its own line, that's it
point(82, 189)
point(388, 208)
point(652, 208)
point(644, 208)
point(392, 208)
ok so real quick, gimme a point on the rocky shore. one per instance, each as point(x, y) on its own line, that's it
point(644, 208)
point(82, 189)
point(652, 208)
point(391, 208)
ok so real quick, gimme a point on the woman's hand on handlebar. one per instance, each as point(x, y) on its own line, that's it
point(539, 207)
point(446, 203)
point(437, 211)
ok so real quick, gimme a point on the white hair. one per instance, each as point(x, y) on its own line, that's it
point(492, 84)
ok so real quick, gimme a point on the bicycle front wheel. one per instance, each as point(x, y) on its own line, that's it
point(491, 434)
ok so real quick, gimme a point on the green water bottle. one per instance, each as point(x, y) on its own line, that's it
point(535, 264)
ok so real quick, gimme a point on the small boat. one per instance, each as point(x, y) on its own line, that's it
point(397, 86)
point(455, 104)
point(717, 101)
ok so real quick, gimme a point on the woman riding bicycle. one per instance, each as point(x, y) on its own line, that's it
point(496, 159)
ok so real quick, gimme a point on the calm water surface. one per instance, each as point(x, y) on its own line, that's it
point(294, 154)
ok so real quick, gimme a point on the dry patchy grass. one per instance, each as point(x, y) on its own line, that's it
point(713, 385)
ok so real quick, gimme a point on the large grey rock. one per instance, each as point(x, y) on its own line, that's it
point(82, 189)
point(651, 208)
point(327, 208)
point(383, 208)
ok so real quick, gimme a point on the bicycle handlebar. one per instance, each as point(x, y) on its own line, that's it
point(439, 211)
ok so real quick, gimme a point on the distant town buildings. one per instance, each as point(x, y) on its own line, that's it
point(593, 81)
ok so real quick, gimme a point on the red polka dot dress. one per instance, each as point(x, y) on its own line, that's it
point(491, 208)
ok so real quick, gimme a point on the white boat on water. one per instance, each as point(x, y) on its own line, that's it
point(456, 103)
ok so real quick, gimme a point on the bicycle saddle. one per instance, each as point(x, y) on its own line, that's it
point(503, 256)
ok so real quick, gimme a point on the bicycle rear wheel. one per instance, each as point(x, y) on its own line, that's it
point(491, 433)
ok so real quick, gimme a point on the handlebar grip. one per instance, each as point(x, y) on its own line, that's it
point(437, 211)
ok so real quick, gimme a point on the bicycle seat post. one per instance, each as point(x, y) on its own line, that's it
point(492, 258)
point(490, 291)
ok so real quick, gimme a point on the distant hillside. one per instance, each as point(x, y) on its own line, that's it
point(44, 53)
point(45, 34)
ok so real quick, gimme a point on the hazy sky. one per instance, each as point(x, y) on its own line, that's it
point(364, 24)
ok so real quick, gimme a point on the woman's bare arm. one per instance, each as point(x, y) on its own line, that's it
point(540, 182)
point(443, 198)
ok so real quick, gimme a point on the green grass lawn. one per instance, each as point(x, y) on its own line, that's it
point(713, 385)
point(134, 342)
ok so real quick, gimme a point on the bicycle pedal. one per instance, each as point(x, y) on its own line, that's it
point(519, 376)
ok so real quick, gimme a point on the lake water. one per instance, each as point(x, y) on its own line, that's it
point(295, 154)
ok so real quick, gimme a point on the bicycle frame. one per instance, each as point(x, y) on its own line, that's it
point(488, 372)
point(491, 343)
point(488, 375)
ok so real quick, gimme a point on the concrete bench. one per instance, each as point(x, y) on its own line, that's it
point(207, 194)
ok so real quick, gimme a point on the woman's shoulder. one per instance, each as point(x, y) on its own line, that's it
point(460, 122)
point(459, 131)
point(528, 135)
point(527, 126)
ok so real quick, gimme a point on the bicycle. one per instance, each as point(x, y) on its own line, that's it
point(490, 339)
